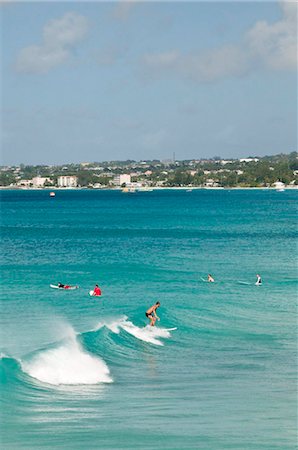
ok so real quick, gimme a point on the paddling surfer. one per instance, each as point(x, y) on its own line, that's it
point(64, 286)
point(151, 313)
point(210, 278)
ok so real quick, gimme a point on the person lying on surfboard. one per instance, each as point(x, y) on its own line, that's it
point(210, 278)
point(151, 313)
point(63, 286)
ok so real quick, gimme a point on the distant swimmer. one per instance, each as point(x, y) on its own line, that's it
point(210, 278)
point(259, 279)
point(151, 313)
point(97, 290)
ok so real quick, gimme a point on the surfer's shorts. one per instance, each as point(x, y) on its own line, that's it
point(148, 315)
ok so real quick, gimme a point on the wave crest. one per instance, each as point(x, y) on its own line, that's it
point(67, 364)
point(147, 334)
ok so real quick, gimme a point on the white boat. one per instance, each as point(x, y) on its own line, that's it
point(52, 194)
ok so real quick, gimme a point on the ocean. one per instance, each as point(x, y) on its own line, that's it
point(81, 372)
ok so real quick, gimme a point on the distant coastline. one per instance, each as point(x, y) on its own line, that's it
point(176, 188)
point(270, 172)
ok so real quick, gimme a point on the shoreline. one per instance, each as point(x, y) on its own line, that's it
point(155, 188)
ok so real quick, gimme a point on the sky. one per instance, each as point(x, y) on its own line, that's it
point(101, 81)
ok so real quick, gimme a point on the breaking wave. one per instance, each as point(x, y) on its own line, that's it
point(67, 364)
point(146, 334)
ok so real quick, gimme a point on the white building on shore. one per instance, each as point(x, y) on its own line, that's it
point(67, 181)
point(39, 181)
point(119, 180)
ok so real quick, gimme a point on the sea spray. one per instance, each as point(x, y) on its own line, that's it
point(147, 334)
point(40, 325)
point(67, 364)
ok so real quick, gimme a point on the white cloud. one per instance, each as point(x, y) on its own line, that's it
point(36, 59)
point(60, 36)
point(214, 64)
point(265, 45)
point(275, 45)
point(68, 30)
point(206, 66)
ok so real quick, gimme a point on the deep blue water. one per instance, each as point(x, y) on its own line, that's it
point(79, 372)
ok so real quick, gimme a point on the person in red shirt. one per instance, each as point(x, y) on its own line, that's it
point(97, 290)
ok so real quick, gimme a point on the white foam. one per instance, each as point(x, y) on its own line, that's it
point(147, 334)
point(144, 334)
point(67, 364)
point(115, 325)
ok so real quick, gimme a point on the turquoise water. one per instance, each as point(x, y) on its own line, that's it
point(79, 372)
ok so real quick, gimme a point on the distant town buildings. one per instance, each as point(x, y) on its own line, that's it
point(264, 172)
point(25, 183)
point(39, 181)
point(67, 181)
point(119, 180)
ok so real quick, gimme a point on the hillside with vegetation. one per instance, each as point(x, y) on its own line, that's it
point(215, 172)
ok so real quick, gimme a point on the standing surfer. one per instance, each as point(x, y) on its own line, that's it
point(151, 313)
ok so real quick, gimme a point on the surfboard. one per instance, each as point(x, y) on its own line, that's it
point(243, 282)
point(71, 288)
point(171, 329)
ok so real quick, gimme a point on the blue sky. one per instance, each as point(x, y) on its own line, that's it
point(140, 80)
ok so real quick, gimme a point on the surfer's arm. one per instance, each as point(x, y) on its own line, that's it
point(154, 312)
